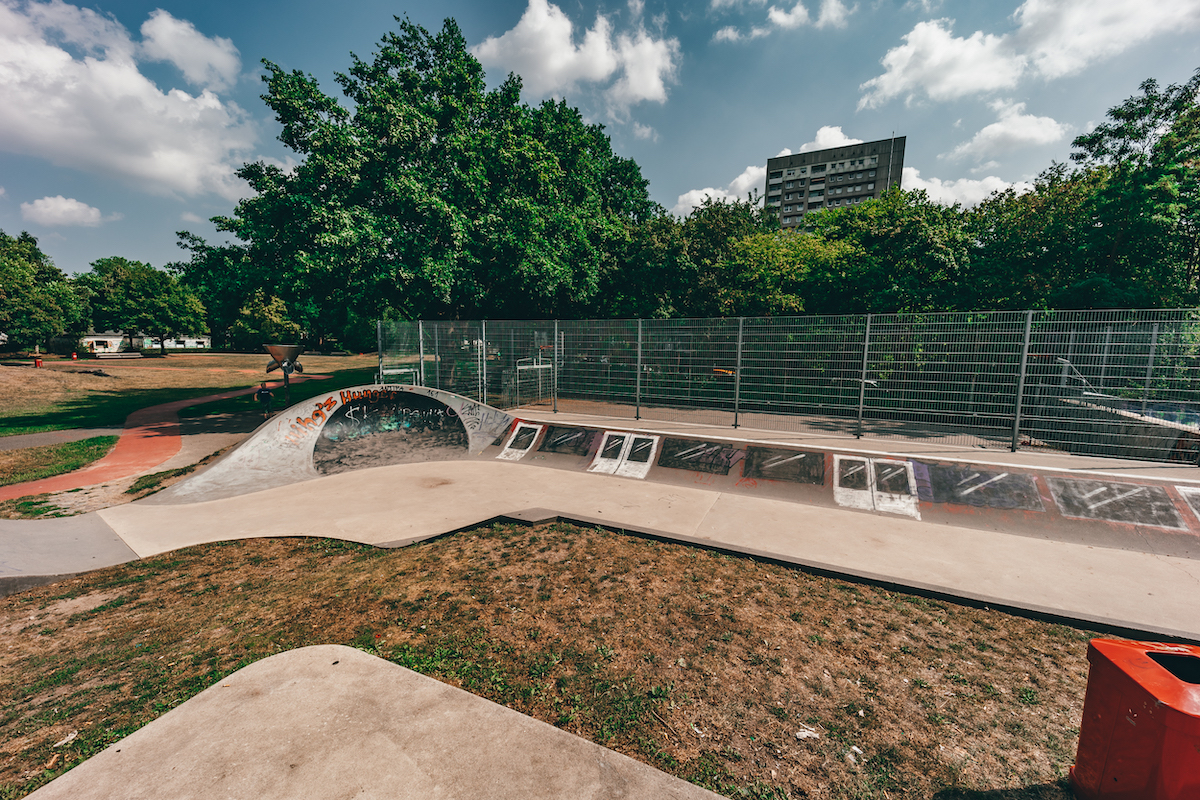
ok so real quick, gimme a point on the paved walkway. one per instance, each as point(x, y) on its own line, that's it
point(332, 721)
point(150, 437)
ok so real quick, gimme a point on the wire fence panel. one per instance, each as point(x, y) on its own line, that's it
point(1115, 383)
point(801, 374)
point(688, 369)
point(598, 367)
point(399, 345)
point(945, 377)
point(1121, 383)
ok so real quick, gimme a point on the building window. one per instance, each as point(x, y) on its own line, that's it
point(818, 168)
point(870, 186)
point(871, 174)
point(776, 174)
point(803, 170)
point(801, 181)
point(789, 184)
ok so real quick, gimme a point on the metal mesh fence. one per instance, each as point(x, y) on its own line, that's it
point(1116, 383)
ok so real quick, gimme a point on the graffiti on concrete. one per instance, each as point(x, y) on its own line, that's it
point(966, 485)
point(521, 441)
point(777, 464)
point(1115, 502)
point(712, 457)
point(379, 427)
point(304, 427)
point(875, 484)
point(629, 455)
point(568, 441)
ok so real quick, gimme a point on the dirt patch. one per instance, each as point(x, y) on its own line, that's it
point(753, 679)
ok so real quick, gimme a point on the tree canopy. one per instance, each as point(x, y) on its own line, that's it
point(424, 194)
point(428, 195)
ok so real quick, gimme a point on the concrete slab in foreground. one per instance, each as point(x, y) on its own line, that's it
point(332, 721)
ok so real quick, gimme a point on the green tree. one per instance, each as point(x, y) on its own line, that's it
point(37, 301)
point(263, 319)
point(1031, 248)
point(1143, 247)
point(429, 196)
point(910, 254)
point(133, 297)
point(770, 274)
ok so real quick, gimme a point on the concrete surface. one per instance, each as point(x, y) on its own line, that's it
point(332, 721)
point(33, 552)
point(899, 447)
point(396, 505)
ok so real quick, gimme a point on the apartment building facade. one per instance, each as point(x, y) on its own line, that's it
point(839, 176)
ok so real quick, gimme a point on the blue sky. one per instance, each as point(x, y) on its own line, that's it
point(122, 122)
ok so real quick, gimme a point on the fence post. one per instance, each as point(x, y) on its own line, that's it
point(637, 411)
point(737, 375)
point(379, 347)
point(862, 378)
point(483, 361)
point(554, 385)
point(1016, 432)
point(421, 348)
point(1149, 367)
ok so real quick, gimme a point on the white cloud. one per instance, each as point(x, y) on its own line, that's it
point(788, 19)
point(96, 112)
point(1, 191)
point(1014, 130)
point(832, 14)
point(64, 211)
point(641, 131)
point(718, 5)
point(541, 48)
point(212, 63)
point(828, 136)
point(1063, 36)
point(188, 216)
point(967, 191)
point(648, 64)
point(1053, 38)
point(752, 177)
point(942, 66)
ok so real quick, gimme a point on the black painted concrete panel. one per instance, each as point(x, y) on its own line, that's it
point(777, 464)
point(713, 457)
point(568, 441)
point(966, 485)
point(1116, 502)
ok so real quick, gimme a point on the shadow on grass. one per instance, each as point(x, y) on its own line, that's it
point(1054, 790)
point(108, 409)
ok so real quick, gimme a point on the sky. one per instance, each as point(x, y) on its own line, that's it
point(123, 122)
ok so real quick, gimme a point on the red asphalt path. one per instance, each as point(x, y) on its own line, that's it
point(151, 436)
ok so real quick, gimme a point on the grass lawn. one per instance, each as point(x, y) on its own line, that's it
point(753, 679)
point(70, 394)
point(35, 463)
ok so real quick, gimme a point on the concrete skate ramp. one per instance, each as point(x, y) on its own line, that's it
point(355, 428)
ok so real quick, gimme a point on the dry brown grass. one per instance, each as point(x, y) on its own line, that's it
point(702, 664)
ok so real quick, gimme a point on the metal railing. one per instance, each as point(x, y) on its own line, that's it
point(1123, 383)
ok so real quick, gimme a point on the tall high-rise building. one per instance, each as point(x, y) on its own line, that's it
point(838, 176)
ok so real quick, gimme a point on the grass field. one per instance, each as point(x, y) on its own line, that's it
point(70, 394)
point(35, 463)
point(753, 679)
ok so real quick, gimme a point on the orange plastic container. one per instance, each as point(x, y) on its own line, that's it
point(1140, 737)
